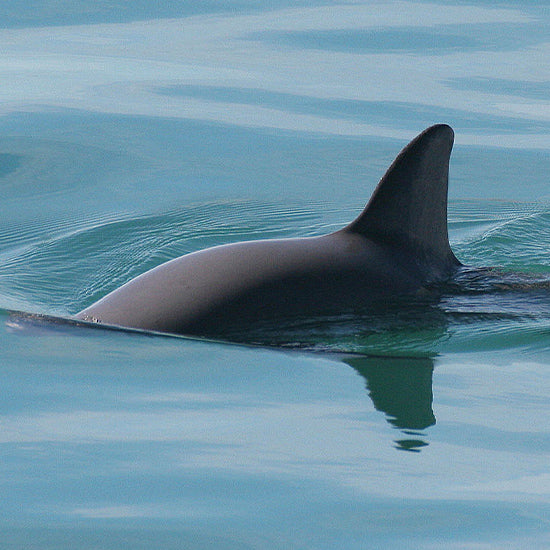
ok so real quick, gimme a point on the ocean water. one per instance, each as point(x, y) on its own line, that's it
point(133, 133)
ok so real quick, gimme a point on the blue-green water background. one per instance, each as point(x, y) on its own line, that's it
point(132, 133)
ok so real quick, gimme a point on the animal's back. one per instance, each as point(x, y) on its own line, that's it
point(244, 282)
point(396, 245)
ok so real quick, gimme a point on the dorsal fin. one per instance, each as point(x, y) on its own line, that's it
point(408, 208)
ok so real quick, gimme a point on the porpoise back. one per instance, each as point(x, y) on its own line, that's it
point(397, 245)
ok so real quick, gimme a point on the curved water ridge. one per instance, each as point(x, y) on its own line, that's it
point(481, 308)
point(60, 269)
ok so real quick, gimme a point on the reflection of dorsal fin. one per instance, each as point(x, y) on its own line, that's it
point(401, 387)
point(408, 209)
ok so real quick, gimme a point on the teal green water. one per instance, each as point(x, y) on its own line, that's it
point(142, 133)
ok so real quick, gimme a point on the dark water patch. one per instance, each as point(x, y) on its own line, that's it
point(532, 89)
point(46, 13)
point(407, 40)
point(429, 40)
point(413, 115)
point(9, 163)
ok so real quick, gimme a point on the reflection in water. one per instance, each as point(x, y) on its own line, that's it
point(400, 325)
point(402, 389)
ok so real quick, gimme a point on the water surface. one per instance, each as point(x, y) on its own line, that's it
point(130, 135)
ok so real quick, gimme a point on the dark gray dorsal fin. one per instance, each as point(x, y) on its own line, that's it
point(408, 208)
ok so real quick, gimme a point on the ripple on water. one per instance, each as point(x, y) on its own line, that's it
point(63, 266)
point(67, 266)
point(509, 234)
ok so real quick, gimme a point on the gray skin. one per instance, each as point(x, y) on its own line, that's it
point(398, 245)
